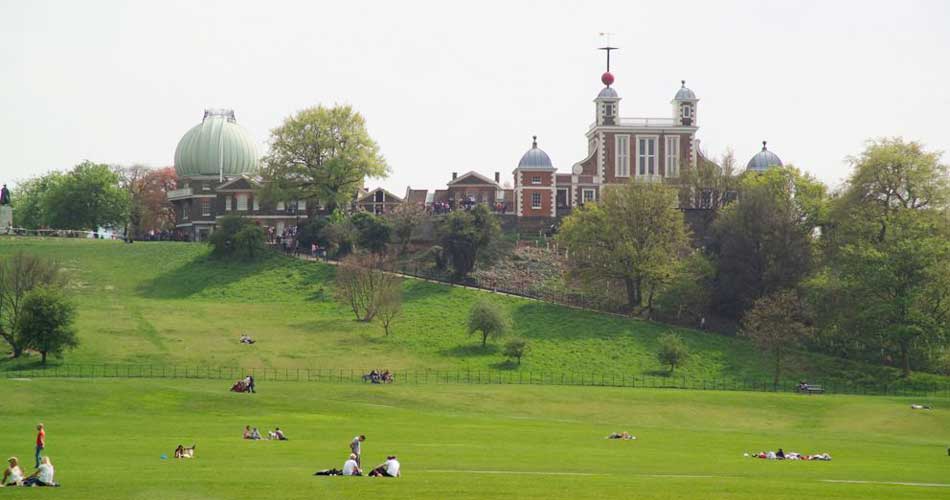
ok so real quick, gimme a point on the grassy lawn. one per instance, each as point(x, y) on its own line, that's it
point(105, 438)
point(168, 304)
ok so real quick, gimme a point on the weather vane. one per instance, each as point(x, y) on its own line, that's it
point(607, 47)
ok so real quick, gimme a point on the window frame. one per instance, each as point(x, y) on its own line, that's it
point(227, 203)
point(206, 207)
point(240, 202)
point(593, 195)
point(536, 195)
point(672, 155)
point(644, 155)
point(535, 180)
point(622, 155)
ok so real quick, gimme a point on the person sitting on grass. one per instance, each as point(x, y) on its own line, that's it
point(389, 468)
point(255, 434)
point(246, 340)
point(351, 468)
point(621, 435)
point(277, 434)
point(12, 475)
point(43, 475)
point(780, 454)
point(247, 432)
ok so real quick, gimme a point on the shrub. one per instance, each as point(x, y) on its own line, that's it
point(46, 322)
point(372, 232)
point(673, 351)
point(237, 238)
point(516, 349)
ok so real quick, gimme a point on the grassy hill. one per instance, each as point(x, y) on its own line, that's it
point(167, 303)
point(106, 437)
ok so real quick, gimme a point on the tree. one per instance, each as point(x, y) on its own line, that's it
point(709, 185)
point(489, 319)
point(45, 322)
point(465, 235)
point(235, 237)
point(688, 297)
point(673, 351)
point(885, 292)
point(390, 302)
point(776, 323)
point(404, 219)
point(20, 274)
point(634, 235)
point(516, 349)
point(321, 155)
point(29, 200)
point(340, 234)
point(87, 197)
point(131, 180)
point(372, 232)
point(363, 284)
point(313, 231)
point(765, 241)
point(148, 189)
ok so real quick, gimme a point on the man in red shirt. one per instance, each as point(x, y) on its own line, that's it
point(40, 442)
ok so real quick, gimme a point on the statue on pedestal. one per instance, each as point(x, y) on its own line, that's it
point(6, 211)
point(5, 196)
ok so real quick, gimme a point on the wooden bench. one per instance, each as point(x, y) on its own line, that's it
point(812, 389)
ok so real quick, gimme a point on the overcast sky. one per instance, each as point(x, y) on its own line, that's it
point(446, 86)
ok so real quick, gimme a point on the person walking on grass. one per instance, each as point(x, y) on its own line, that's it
point(40, 442)
point(356, 448)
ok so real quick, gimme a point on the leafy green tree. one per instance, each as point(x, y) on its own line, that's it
point(688, 297)
point(46, 322)
point(321, 155)
point(777, 323)
point(673, 351)
point(373, 232)
point(20, 274)
point(235, 237)
point(87, 197)
point(465, 235)
point(489, 319)
point(710, 185)
point(516, 349)
point(404, 220)
point(313, 231)
point(634, 235)
point(766, 241)
point(29, 200)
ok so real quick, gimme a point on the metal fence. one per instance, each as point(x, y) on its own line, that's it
point(462, 376)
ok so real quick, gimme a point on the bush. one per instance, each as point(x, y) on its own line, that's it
point(372, 232)
point(237, 238)
point(313, 231)
point(46, 322)
point(489, 319)
point(516, 349)
point(465, 237)
point(673, 351)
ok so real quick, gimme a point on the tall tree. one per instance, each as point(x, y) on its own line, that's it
point(765, 241)
point(29, 201)
point(87, 197)
point(465, 236)
point(404, 220)
point(147, 189)
point(20, 274)
point(490, 320)
point(321, 155)
point(634, 235)
point(132, 181)
point(710, 185)
point(886, 289)
point(46, 322)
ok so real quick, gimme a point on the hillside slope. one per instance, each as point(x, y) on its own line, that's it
point(168, 304)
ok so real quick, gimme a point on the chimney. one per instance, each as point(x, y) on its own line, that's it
point(497, 177)
point(455, 175)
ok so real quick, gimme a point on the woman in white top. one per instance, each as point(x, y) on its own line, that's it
point(43, 475)
point(12, 475)
point(351, 468)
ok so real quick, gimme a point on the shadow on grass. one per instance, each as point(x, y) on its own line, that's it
point(470, 350)
point(505, 365)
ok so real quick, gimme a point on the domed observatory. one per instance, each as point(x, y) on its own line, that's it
point(535, 188)
point(217, 162)
point(764, 160)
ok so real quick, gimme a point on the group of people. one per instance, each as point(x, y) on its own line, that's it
point(246, 384)
point(254, 434)
point(621, 435)
point(782, 455)
point(42, 476)
point(353, 467)
point(377, 377)
point(246, 339)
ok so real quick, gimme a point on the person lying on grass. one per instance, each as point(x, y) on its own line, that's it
point(182, 452)
point(621, 435)
point(389, 468)
point(350, 468)
point(781, 455)
point(12, 475)
point(43, 475)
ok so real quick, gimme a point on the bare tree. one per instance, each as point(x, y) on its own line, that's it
point(775, 324)
point(364, 284)
point(390, 301)
point(404, 220)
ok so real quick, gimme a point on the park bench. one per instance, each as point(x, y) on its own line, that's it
point(812, 389)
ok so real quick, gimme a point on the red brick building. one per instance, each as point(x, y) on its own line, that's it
point(535, 189)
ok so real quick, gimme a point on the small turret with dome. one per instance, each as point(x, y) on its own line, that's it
point(764, 160)
point(607, 103)
point(684, 106)
point(217, 146)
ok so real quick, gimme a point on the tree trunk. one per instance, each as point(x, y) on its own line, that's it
point(778, 367)
point(43, 353)
point(484, 339)
point(905, 359)
point(633, 292)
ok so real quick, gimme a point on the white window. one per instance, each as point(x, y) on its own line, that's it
point(536, 201)
point(185, 209)
point(686, 112)
point(227, 203)
point(622, 164)
point(589, 195)
point(646, 155)
point(242, 203)
point(280, 206)
point(536, 179)
point(672, 156)
point(301, 205)
point(205, 207)
point(257, 204)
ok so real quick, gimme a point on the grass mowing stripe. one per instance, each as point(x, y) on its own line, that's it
point(895, 483)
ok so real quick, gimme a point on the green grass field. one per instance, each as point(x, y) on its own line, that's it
point(106, 437)
point(165, 304)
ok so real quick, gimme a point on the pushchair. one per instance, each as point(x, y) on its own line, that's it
point(239, 386)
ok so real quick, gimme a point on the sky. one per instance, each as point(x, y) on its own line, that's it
point(451, 87)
